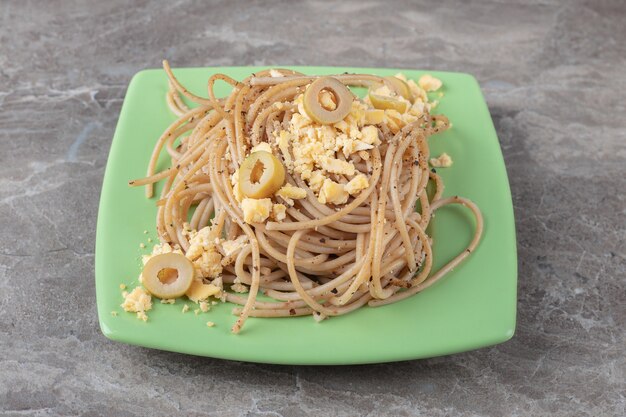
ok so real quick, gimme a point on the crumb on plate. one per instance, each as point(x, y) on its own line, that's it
point(442, 161)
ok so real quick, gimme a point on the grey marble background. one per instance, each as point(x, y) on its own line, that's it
point(554, 77)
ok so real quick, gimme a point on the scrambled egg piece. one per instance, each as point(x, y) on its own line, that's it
point(279, 212)
point(200, 291)
point(138, 301)
point(234, 181)
point(204, 254)
point(282, 140)
point(256, 210)
point(230, 247)
point(336, 166)
point(333, 193)
point(443, 161)
point(374, 117)
point(289, 193)
point(429, 83)
point(370, 135)
point(356, 185)
point(317, 180)
point(239, 287)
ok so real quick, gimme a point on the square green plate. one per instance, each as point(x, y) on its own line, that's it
point(474, 306)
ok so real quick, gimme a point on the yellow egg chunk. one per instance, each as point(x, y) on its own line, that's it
point(279, 212)
point(442, 161)
point(290, 193)
point(256, 210)
point(199, 291)
point(370, 133)
point(260, 175)
point(387, 103)
point(168, 275)
point(356, 184)
point(374, 117)
point(332, 193)
point(429, 83)
point(316, 180)
point(229, 247)
point(138, 300)
point(336, 166)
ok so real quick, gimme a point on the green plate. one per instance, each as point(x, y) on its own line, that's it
point(474, 306)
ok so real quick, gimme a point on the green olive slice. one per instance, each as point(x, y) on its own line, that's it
point(260, 175)
point(400, 87)
point(168, 275)
point(342, 95)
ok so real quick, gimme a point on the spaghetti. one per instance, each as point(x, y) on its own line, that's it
point(311, 255)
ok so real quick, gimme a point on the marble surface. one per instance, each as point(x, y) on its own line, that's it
point(553, 76)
